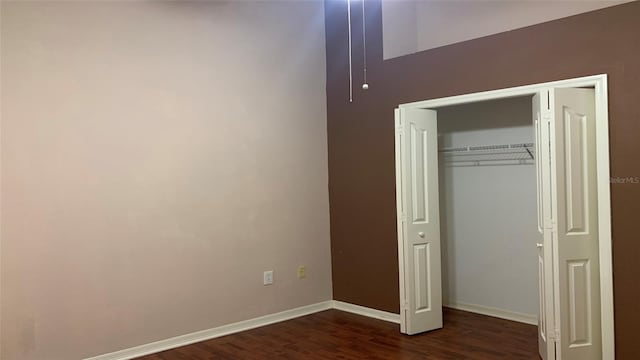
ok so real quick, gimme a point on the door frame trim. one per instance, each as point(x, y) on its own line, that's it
point(599, 83)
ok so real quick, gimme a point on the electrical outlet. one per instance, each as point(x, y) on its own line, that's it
point(268, 277)
point(302, 272)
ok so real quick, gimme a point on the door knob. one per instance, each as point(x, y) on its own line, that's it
point(421, 234)
point(538, 245)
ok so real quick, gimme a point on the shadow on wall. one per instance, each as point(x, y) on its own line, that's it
point(495, 114)
point(488, 250)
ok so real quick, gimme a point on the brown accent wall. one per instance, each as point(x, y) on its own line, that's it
point(361, 141)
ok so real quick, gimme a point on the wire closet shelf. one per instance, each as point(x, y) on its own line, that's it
point(489, 155)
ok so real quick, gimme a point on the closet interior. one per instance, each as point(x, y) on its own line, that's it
point(488, 209)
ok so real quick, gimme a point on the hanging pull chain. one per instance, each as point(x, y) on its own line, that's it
point(365, 85)
point(350, 60)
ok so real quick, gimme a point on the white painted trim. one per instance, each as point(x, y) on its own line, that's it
point(208, 334)
point(604, 218)
point(495, 312)
point(400, 217)
point(365, 311)
point(229, 329)
point(599, 82)
point(587, 81)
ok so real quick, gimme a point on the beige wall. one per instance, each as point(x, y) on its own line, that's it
point(399, 28)
point(416, 25)
point(156, 158)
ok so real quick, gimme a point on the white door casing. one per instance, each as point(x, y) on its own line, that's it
point(546, 322)
point(418, 220)
point(576, 249)
point(593, 271)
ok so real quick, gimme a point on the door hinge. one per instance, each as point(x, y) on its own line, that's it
point(549, 99)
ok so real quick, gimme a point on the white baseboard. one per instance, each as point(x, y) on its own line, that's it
point(208, 334)
point(365, 311)
point(223, 330)
point(499, 313)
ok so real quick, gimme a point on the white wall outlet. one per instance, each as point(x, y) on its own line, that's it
point(302, 272)
point(268, 277)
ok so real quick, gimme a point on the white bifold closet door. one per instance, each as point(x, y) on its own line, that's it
point(576, 256)
point(569, 287)
point(542, 124)
point(419, 219)
point(564, 119)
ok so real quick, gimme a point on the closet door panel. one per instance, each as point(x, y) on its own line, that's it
point(537, 123)
point(578, 283)
point(417, 173)
point(422, 277)
point(541, 120)
point(579, 315)
point(576, 189)
point(542, 323)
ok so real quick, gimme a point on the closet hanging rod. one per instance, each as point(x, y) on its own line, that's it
point(523, 146)
point(489, 154)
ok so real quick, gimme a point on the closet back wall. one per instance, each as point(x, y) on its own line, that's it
point(157, 157)
point(361, 134)
point(488, 213)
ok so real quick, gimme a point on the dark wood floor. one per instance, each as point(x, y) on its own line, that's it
point(334, 334)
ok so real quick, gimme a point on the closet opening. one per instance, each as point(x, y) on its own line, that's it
point(503, 208)
point(488, 208)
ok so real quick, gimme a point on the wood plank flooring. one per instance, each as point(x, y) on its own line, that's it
point(334, 334)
